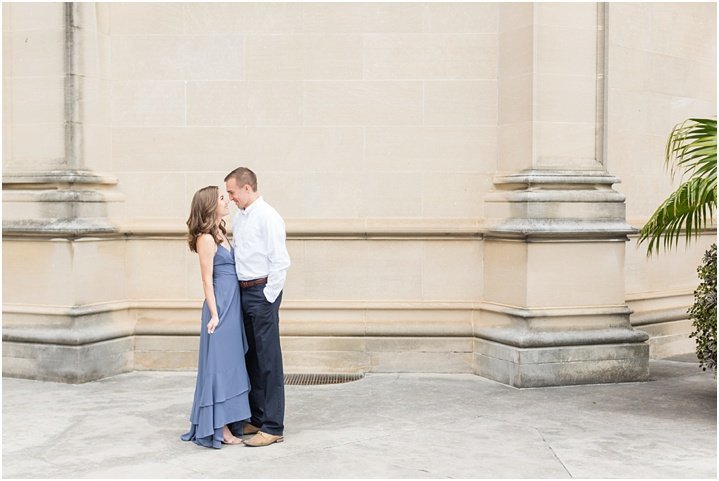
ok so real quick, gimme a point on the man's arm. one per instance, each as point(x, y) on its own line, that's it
point(278, 257)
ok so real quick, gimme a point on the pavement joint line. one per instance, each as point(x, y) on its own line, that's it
point(544, 440)
point(553, 452)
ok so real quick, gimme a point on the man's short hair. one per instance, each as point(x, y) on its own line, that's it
point(243, 176)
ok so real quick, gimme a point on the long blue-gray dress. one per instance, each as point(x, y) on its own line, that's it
point(222, 388)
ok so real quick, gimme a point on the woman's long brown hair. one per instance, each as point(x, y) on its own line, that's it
point(203, 212)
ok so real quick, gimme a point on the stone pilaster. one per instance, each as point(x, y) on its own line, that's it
point(58, 202)
point(554, 301)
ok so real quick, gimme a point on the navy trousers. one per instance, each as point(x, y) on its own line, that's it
point(264, 360)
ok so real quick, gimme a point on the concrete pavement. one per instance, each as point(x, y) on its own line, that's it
point(384, 426)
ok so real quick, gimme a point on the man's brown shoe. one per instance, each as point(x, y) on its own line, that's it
point(263, 439)
point(250, 429)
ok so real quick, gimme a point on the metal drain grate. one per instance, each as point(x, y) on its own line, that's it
point(316, 379)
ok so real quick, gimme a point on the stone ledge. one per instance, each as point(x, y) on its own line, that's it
point(41, 179)
point(66, 228)
point(548, 178)
point(338, 228)
point(535, 338)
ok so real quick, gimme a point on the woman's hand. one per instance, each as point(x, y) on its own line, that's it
point(212, 324)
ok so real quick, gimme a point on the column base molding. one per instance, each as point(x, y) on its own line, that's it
point(68, 363)
point(84, 343)
point(561, 365)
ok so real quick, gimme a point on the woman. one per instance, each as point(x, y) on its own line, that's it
point(221, 404)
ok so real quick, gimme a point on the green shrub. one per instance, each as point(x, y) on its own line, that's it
point(704, 311)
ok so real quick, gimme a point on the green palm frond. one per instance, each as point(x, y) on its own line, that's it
point(692, 149)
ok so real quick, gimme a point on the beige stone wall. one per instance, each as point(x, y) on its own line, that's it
point(350, 114)
point(378, 131)
point(344, 111)
point(659, 74)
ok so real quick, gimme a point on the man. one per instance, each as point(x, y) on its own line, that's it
point(261, 261)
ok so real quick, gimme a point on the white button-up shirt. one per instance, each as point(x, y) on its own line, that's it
point(260, 251)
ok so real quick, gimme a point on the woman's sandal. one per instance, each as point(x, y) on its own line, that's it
point(235, 441)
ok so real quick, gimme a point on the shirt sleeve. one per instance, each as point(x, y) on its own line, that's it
point(279, 258)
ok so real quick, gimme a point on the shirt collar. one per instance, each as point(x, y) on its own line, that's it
point(252, 206)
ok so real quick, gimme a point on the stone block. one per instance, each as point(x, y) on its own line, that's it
point(430, 56)
point(244, 103)
point(177, 57)
point(362, 103)
point(435, 149)
point(675, 28)
point(310, 57)
point(419, 344)
point(95, 104)
point(575, 274)
point(558, 142)
point(505, 273)
point(514, 16)
point(454, 195)
point(666, 275)
point(35, 53)
point(430, 323)
point(97, 264)
point(301, 362)
point(567, 52)
point(327, 265)
point(248, 18)
point(667, 74)
point(591, 364)
point(452, 270)
point(559, 98)
point(629, 24)
point(460, 102)
point(680, 327)
point(71, 364)
point(631, 67)
point(175, 150)
point(163, 186)
point(671, 345)
point(27, 154)
point(148, 102)
point(38, 272)
point(34, 100)
point(469, 17)
point(394, 271)
point(669, 338)
point(293, 149)
point(516, 53)
point(324, 343)
point(391, 194)
point(431, 362)
point(387, 271)
point(568, 15)
point(515, 146)
point(33, 16)
point(362, 18)
point(96, 147)
point(147, 18)
point(165, 360)
point(167, 343)
point(165, 261)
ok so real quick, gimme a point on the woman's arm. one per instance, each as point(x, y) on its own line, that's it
point(206, 249)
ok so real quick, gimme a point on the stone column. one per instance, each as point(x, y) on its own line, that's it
point(554, 310)
point(64, 313)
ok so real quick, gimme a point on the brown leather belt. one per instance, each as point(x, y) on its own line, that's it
point(252, 283)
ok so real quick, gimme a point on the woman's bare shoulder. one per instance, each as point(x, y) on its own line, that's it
point(206, 242)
